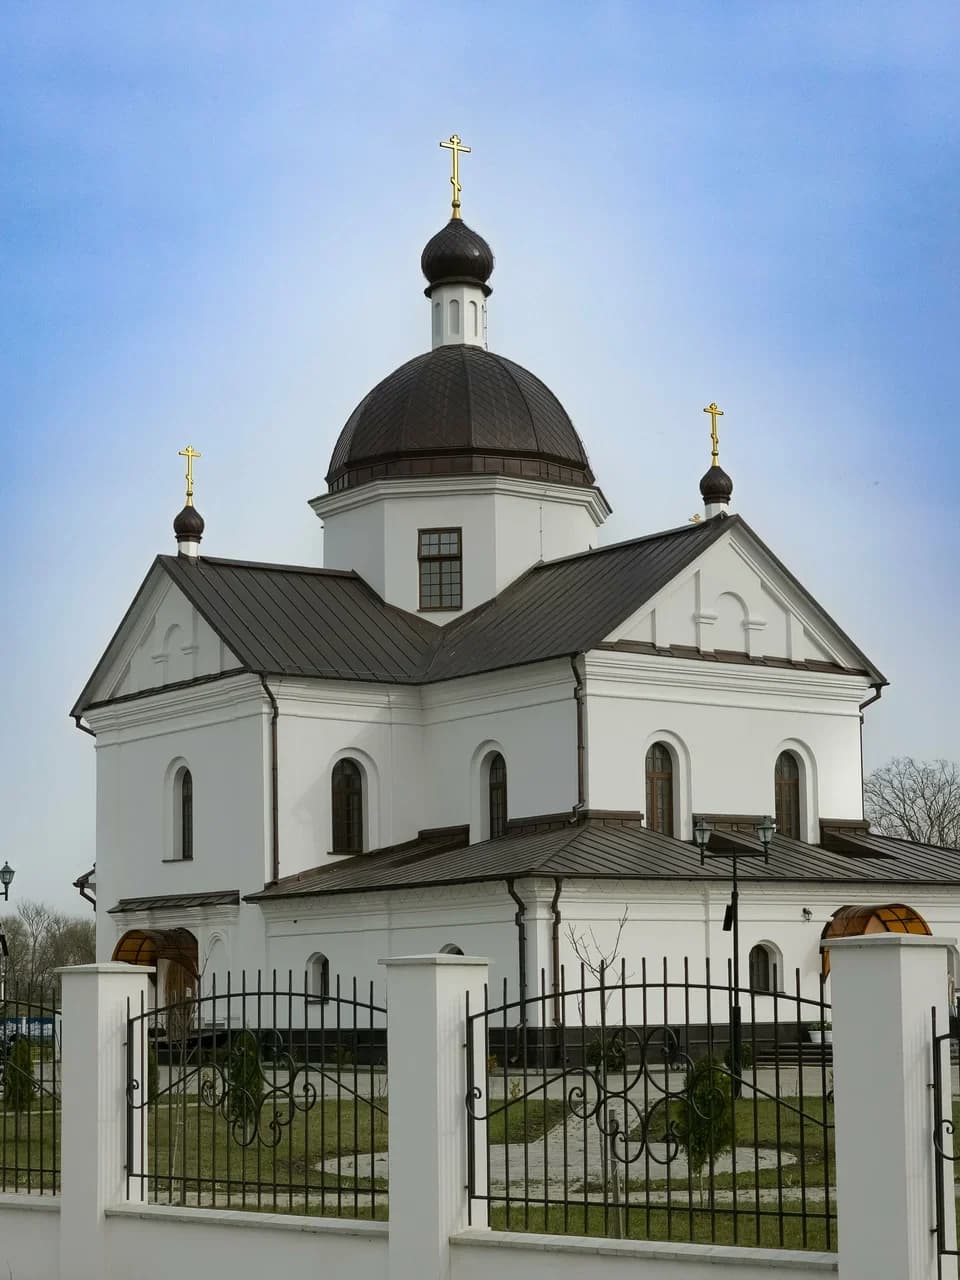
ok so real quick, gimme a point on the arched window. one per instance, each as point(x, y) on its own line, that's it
point(498, 796)
point(318, 976)
point(347, 784)
point(451, 949)
point(762, 969)
point(660, 789)
point(786, 781)
point(183, 814)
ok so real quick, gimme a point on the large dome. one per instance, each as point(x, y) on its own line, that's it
point(459, 410)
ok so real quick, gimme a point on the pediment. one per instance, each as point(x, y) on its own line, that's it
point(737, 598)
point(162, 640)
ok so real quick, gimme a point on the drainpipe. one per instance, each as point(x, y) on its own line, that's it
point(555, 947)
point(83, 728)
point(275, 797)
point(520, 921)
point(863, 706)
point(581, 752)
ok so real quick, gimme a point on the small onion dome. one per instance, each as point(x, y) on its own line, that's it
point(188, 525)
point(716, 486)
point(457, 255)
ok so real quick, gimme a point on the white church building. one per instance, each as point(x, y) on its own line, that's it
point(475, 727)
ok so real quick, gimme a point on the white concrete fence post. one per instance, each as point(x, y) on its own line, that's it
point(427, 1083)
point(884, 988)
point(93, 1107)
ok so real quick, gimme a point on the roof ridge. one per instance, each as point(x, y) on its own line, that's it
point(320, 570)
point(634, 542)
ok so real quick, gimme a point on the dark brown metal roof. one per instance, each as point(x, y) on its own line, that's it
point(285, 620)
point(458, 402)
point(329, 624)
point(618, 849)
point(179, 901)
point(567, 606)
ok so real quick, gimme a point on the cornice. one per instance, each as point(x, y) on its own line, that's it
point(686, 674)
point(231, 697)
point(588, 497)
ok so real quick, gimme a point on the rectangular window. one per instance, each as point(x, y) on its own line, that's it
point(441, 569)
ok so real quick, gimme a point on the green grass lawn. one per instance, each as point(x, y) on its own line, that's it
point(30, 1147)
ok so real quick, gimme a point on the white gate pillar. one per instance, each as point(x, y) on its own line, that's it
point(427, 1085)
point(93, 1133)
point(884, 988)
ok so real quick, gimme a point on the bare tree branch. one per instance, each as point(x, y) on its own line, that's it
point(915, 800)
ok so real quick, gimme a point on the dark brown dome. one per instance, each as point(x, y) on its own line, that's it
point(188, 526)
point(459, 410)
point(716, 486)
point(455, 255)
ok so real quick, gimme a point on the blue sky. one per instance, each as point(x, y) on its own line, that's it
point(212, 215)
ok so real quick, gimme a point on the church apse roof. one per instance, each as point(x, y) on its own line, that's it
point(609, 847)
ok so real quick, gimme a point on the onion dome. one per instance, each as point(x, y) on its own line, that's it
point(457, 255)
point(188, 525)
point(459, 410)
point(716, 486)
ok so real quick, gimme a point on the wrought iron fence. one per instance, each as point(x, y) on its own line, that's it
point(945, 1045)
point(655, 1107)
point(30, 1088)
point(260, 1096)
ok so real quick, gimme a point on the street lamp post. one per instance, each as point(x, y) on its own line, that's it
point(765, 829)
point(6, 879)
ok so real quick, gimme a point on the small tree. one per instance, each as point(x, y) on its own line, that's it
point(704, 1125)
point(244, 1083)
point(19, 1085)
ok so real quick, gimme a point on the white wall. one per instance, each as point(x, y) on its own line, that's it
point(726, 725)
point(220, 730)
point(155, 1243)
point(508, 525)
point(477, 1255)
point(29, 1236)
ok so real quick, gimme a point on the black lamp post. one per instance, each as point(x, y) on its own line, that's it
point(6, 879)
point(765, 829)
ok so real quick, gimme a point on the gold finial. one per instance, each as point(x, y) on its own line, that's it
point(190, 453)
point(714, 413)
point(455, 146)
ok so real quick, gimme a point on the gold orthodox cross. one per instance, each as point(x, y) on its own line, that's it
point(714, 413)
point(455, 146)
point(190, 453)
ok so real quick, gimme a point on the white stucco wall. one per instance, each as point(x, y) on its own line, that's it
point(220, 732)
point(725, 725)
point(508, 525)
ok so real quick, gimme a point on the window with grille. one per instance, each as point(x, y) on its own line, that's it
point(183, 817)
point(660, 789)
point(786, 781)
point(347, 781)
point(498, 797)
point(441, 568)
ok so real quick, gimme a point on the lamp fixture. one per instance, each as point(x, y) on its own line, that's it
point(701, 834)
point(766, 830)
point(807, 914)
point(6, 879)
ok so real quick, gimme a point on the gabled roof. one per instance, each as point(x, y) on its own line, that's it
point(612, 848)
point(329, 624)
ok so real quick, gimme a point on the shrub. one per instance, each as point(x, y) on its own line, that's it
point(606, 1055)
point(704, 1126)
point(244, 1082)
point(18, 1082)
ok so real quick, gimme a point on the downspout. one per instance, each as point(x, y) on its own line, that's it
point(82, 727)
point(520, 921)
point(555, 948)
point(581, 751)
point(274, 788)
point(863, 707)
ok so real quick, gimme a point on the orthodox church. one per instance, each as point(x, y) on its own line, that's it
point(476, 728)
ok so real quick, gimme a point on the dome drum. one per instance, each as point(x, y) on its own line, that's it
point(407, 466)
